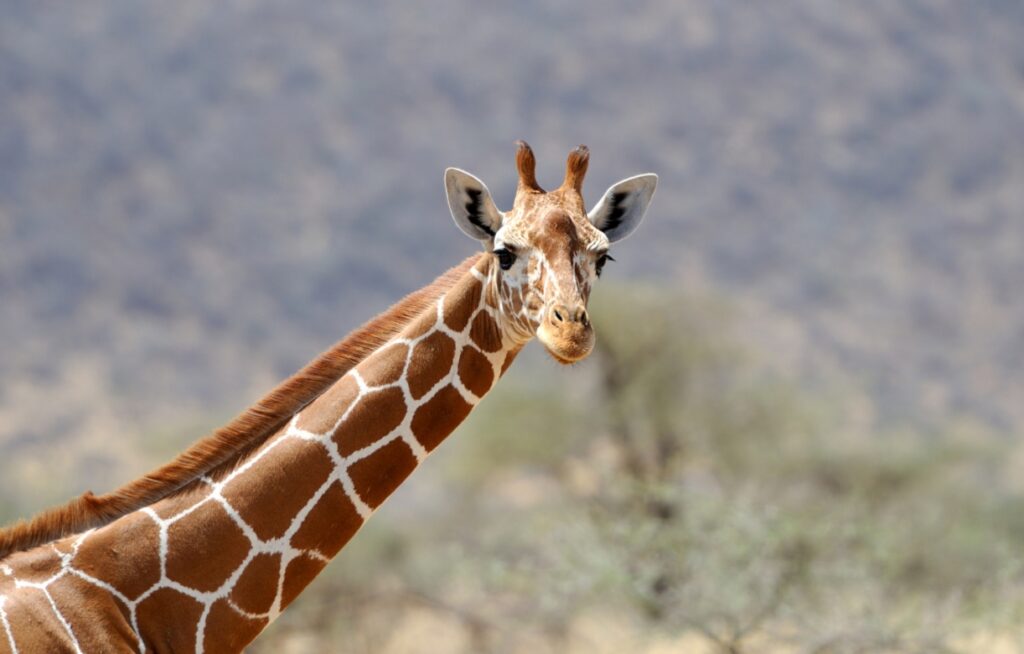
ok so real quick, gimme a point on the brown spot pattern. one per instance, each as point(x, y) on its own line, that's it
point(171, 506)
point(161, 634)
point(439, 416)
point(126, 557)
point(460, 304)
point(99, 621)
point(33, 622)
point(329, 407)
point(202, 560)
point(65, 545)
point(421, 325)
point(377, 414)
point(36, 565)
point(272, 483)
point(379, 474)
point(385, 366)
point(475, 371)
point(431, 360)
point(300, 572)
point(256, 588)
point(229, 631)
point(485, 333)
point(331, 523)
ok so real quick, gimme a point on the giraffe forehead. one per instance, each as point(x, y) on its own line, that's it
point(552, 230)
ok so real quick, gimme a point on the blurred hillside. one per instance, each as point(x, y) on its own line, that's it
point(195, 198)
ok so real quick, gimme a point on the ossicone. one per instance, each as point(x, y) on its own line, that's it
point(576, 168)
point(526, 164)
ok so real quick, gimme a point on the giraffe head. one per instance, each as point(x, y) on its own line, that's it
point(548, 249)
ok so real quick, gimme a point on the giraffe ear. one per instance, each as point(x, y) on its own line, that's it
point(471, 205)
point(623, 206)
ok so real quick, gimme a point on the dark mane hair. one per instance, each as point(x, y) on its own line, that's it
point(248, 430)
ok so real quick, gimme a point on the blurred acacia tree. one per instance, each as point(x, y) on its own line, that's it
point(674, 480)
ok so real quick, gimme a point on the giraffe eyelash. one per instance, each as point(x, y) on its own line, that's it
point(505, 258)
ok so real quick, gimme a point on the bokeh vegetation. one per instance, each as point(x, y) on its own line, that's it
point(673, 494)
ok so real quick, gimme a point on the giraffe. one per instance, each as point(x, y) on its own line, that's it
point(203, 553)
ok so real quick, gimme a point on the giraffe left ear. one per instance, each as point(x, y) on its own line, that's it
point(622, 206)
point(471, 205)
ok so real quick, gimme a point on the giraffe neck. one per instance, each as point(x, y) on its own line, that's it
point(208, 569)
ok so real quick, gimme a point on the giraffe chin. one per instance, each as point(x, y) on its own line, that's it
point(567, 346)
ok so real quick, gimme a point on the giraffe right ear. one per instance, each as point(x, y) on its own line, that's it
point(622, 207)
point(471, 205)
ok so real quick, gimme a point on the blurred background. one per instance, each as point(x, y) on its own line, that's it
point(810, 444)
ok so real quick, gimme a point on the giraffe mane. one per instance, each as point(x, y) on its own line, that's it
point(248, 430)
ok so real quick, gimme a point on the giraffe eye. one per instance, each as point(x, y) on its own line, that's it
point(505, 258)
point(601, 260)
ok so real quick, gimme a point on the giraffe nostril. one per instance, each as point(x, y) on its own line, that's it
point(558, 316)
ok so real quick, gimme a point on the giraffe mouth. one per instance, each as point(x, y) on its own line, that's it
point(569, 344)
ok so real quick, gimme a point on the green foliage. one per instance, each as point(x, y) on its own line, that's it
point(675, 481)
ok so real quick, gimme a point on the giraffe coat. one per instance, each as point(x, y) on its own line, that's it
point(202, 554)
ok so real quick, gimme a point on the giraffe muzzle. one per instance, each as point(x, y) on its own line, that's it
point(566, 332)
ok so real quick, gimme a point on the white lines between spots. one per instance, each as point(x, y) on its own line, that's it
point(5, 622)
point(201, 629)
point(119, 595)
point(282, 545)
point(246, 614)
point(63, 620)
